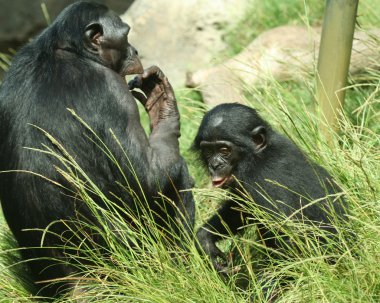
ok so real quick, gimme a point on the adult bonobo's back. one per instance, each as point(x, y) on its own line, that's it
point(244, 154)
point(79, 62)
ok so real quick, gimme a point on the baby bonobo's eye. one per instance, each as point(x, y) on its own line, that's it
point(207, 153)
point(225, 151)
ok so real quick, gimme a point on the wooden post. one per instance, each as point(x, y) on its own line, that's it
point(334, 60)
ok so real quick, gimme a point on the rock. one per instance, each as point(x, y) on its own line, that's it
point(181, 35)
point(283, 53)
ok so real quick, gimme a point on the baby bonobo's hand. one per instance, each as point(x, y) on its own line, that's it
point(158, 95)
point(221, 262)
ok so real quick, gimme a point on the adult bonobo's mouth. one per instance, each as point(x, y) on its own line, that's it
point(133, 67)
point(221, 181)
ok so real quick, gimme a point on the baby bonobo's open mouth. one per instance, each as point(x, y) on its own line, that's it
point(220, 181)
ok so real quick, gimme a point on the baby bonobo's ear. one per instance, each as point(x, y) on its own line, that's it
point(259, 137)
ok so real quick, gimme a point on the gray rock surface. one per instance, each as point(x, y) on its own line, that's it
point(282, 53)
point(181, 35)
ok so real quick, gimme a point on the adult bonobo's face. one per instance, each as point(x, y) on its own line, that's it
point(107, 38)
point(229, 139)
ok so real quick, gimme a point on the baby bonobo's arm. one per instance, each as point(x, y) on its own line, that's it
point(227, 220)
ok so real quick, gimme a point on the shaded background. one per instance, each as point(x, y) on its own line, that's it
point(22, 19)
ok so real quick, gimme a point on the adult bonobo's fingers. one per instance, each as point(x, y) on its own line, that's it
point(153, 71)
point(136, 82)
point(168, 88)
point(139, 96)
point(162, 80)
point(149, 81)
point(153, 100)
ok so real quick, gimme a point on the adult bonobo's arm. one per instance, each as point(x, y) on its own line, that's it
point(161, 105)
point(163, 151)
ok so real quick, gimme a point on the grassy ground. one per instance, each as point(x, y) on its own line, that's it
point(151, 274)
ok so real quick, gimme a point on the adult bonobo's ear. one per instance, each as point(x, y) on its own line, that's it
point(93, 33)
point(259, 137)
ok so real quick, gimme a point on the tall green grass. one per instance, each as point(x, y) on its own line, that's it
point(148, 270)
point(141, 267)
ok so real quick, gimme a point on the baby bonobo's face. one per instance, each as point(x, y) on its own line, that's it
point(224, 141)
point(219, 156)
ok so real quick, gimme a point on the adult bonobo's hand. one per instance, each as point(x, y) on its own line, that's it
point(159, 100)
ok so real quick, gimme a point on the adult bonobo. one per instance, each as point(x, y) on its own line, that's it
point(79, 62)
point(244, 154)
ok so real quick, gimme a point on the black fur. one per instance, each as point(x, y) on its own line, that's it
point(55, 72)
point(260, 159)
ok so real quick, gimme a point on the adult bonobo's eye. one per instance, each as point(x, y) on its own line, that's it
point(225, 151)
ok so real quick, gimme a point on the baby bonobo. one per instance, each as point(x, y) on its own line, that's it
point(244, 154)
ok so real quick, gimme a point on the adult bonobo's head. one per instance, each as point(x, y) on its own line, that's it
point(230, 137)
point(93, 31)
